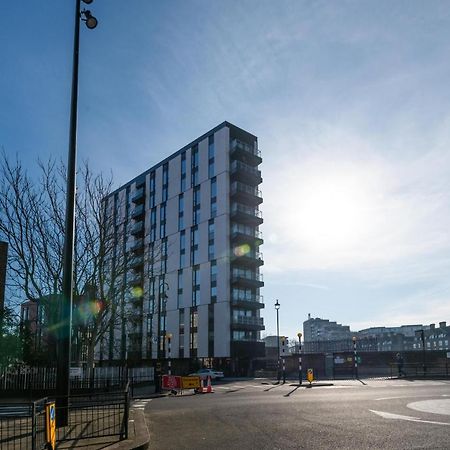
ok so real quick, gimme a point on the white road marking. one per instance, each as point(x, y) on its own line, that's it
point(406, 396)
point(387, 415)
point(441, 406)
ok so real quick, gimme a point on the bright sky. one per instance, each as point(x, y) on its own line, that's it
point(350, 101)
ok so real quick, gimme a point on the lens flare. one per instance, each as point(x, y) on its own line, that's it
point(241, 250)
point(137, 292)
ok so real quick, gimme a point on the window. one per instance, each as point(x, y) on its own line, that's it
point(183, 172)
point(213, 197)
point(153, 224)
point(165, 181)
point(162, 220)
point(164, 255)
point(182, 249)
point(152, 190)
point(195, 285)
point(211, 150)
point(194, 165)
point(211, 232)
point(194, 245)
point(180, 288)
point(196, 205)
point(213, 281)
point(180, 212)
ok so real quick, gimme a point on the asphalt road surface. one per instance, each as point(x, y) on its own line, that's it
point(356, 415)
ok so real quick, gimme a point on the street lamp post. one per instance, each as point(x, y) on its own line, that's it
point(169, 349)
point(277, 307)
point(300, 375)
point(162, 297)
point(355, 357)
point(65, 313)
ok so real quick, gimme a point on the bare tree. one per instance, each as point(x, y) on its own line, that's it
point(32, 222)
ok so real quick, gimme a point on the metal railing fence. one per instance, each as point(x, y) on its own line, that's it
point(22, 425)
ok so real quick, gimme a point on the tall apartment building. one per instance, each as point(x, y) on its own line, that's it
point(189, 227)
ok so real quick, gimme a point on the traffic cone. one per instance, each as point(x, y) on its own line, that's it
point(209, 389)
point(201, 389)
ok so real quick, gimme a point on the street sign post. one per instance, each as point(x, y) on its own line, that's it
point(50, 425)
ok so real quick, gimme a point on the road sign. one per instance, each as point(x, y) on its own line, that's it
point(190, 382)
point(171, 382)
point(50, 422)
point(310, 375)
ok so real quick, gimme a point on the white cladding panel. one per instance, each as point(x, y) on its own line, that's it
point(174, 176)
point(203, 160)
point(222, 145)
point(172, 215)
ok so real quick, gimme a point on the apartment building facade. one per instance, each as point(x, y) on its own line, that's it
point(188, 230)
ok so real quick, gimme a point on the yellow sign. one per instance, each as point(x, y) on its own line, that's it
point(50, 422)
point(310, 375)
point(190, 382)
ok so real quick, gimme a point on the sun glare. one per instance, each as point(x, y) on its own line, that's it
point(332, 211)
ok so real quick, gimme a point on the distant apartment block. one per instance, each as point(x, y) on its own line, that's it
point(317, 331)
point(324, 336)
point(189, 230)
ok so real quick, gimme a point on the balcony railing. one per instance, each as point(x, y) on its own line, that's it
point(137, 262)
point(247, 210)
point(137, 228)
point(241, 233)
point(244, 172)
point(136, 280)
point(138, 245)
point(244, 320)
point(247, 279)
point(237, 145)
point(138, 196)
point(254, 302)
point(138, 211)
point(246, 193)
point(249, 259)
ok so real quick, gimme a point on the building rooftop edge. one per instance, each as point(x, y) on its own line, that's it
point(224, 124)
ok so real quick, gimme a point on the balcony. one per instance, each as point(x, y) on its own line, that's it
point(246, 235)
point(250, 259)
point(137, 228)
point(242, 192)
point(245, 152)
point(254, 302)
point(248, 323)
point(138, 212)
point(250, 280)
point(136, 263)
point(138, 246)
point(138, 196)
point(246, 214)
point(136, 280)
point(240, 171)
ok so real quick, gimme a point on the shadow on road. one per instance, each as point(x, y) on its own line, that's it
point(273, 387)
point(291, 392)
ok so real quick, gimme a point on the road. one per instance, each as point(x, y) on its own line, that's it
point(356, 415)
